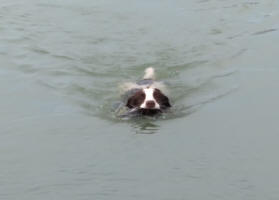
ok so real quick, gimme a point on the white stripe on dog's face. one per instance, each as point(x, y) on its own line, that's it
point(149, 97)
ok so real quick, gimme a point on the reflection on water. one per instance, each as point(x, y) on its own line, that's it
point(151, 124)
point(145, 126)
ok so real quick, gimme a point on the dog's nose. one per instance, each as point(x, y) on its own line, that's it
point(150, 104)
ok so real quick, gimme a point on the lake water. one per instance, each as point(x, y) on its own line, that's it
point(62, 62)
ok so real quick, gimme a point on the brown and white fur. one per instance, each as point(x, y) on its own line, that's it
point(146, 96)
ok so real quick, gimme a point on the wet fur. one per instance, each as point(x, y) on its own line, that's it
point(132, 95)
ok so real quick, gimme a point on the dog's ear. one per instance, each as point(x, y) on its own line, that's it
point(136, 100)
point(130, 103)
point(161, 98)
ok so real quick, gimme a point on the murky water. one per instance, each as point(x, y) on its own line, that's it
point(61, 66)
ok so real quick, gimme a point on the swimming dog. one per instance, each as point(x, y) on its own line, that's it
point(146, 96)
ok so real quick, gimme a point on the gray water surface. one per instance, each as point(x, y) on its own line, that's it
point(61, 66)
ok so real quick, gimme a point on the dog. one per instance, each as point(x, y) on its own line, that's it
point(146, 96)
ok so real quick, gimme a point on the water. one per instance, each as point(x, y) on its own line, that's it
point(62, 63)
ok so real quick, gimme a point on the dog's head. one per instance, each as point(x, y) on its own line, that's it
point(148, 101)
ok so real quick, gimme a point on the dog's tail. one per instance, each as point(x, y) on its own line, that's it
point(149, 73)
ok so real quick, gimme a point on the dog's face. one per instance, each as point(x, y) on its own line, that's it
point(148, 99)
